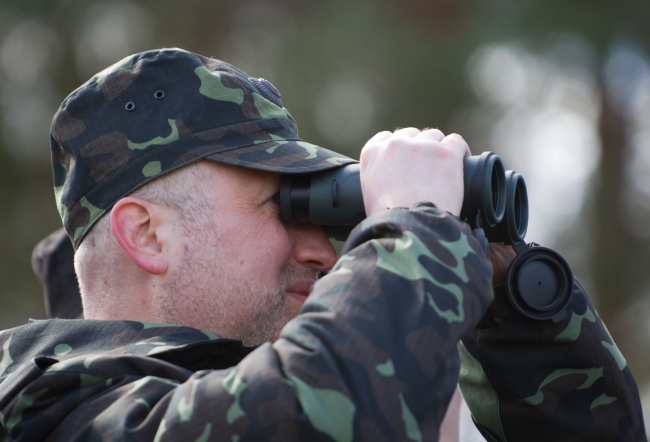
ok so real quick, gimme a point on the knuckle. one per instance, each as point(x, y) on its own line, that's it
point(395, 143)
point(456, 142)
point(383, 133)
point(434, 131)
point(455, 139)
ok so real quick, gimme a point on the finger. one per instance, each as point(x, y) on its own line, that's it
point(432, 134)
point(409, 132)
point(457, 143)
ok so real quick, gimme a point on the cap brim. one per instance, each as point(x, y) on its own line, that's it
point(286, 156)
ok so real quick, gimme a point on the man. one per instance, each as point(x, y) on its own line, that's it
point(166, 169)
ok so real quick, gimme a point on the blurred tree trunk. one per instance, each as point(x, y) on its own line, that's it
point(617, 269)
point(612, 242)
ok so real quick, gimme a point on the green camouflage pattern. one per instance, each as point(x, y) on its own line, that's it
point(527, 380)
point(372, 356)
point(209, 109)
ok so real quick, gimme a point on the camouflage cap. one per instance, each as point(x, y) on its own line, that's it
point(157, 111)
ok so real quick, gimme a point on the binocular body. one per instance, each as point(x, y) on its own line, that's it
point(539, 282)
point(494, 199)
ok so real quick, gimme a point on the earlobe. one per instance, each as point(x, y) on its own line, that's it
point(135, 224)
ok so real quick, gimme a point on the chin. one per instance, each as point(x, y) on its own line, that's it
point(293, 306)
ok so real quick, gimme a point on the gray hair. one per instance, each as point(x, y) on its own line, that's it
point(182, 190)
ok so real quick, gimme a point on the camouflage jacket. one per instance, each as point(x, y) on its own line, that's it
point(527, 380)
point(371, 357)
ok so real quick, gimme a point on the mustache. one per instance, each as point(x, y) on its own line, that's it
point(291, 275)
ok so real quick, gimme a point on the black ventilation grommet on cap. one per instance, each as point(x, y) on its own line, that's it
point(159, 94)
point(539, 283)
point(267, 90)
point(129, 106)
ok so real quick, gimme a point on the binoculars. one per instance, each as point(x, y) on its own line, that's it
point(539, 282)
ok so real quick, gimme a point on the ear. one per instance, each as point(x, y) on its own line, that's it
point(136, 226)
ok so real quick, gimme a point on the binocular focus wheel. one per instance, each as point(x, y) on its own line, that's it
point(539, 284)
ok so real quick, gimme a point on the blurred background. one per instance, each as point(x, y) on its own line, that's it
point(560, 90)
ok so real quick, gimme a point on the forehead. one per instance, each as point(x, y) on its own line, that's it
point(243, 181)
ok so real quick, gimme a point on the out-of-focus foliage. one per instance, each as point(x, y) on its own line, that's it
point(561, 90)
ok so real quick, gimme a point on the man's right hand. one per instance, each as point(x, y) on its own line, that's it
point(401, 168)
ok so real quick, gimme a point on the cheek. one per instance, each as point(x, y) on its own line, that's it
point(275, 243)
point(263, 246)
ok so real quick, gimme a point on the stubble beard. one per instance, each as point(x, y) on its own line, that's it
point(211, 294)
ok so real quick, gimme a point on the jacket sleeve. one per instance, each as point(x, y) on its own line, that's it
point(540, 381)
point(372, 356)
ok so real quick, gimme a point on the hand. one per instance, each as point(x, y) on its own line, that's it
point(500, 256)
point(401, 168)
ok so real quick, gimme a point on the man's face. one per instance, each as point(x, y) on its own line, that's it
point(238, 270)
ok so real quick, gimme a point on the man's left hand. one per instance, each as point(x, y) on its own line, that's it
point(500, 256)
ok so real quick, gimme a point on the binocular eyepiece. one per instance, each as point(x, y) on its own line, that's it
point(539, 281)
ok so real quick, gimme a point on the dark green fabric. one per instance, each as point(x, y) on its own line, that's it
point(528, 380)
point(53, 265)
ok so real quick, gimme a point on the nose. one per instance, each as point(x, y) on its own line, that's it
point(311, 248)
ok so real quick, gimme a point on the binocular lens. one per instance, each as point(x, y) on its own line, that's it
point(539, 283)
point(485, 200)
point(520, 206)
point(514, 225)
point(497, 181)
point(494, 190)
